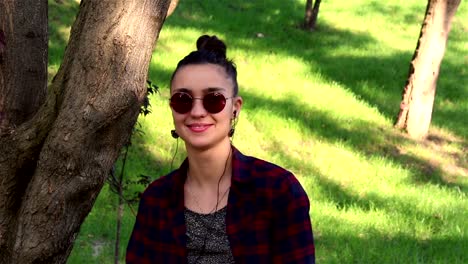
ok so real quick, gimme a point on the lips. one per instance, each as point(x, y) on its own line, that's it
point(198, 128)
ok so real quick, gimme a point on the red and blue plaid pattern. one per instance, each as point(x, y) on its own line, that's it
point(267, 218)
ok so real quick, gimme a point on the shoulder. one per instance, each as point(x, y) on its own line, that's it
point(245, 164)
point(160, 188)
point(262, 168)
point(267, 174)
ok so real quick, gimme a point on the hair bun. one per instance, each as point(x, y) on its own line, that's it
point(212, 44)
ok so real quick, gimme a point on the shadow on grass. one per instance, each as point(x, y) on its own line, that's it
point(381, 245)
point(360, 135)
point(395, 13)
point(386, 248)
point(374, 78)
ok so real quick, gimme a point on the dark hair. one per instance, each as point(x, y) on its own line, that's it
point(210, 50)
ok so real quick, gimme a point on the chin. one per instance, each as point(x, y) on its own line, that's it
point(199, 145)
point(203, 143)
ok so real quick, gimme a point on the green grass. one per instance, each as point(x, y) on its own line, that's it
point(322, 105)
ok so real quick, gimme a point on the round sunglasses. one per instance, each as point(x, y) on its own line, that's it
point(212, 102)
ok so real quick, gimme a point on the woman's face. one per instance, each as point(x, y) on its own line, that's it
point(198, 127)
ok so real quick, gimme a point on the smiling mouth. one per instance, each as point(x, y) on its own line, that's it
point(198, 127)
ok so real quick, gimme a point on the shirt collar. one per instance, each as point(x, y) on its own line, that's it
point(240, 173)
point(240, 167)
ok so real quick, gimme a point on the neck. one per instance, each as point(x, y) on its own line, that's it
point(207, 166)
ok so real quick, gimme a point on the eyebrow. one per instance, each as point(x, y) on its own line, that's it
point(214, 89)
point(206, 90)
point(184, 90)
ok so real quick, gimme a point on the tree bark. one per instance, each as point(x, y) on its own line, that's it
point(419, 92)
point(53, 166)
point(23, 60)
point(311, 14)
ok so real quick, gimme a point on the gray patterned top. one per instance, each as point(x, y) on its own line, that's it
point(207, 241)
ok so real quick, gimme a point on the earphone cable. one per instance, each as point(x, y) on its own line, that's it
point(175, 153)
point(203, 249)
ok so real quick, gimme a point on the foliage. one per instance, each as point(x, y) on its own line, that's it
point(119, 184)
point(116, 184)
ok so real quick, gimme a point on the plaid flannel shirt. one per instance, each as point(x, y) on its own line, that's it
point(267, 218)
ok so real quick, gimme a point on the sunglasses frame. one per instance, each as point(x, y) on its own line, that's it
point(215, 94)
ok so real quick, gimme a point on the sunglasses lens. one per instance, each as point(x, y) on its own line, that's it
point(181, 103)
point(214, 102)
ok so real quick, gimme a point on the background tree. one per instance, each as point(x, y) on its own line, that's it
point(419, 92)
point(172, 7)
point(54, 164)
point(311, 14)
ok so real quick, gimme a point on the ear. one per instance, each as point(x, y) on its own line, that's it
point(236, 106)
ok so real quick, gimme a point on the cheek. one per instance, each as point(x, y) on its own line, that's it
point(224, 117)
point(177, 119)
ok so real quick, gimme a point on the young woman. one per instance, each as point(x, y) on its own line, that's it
point(220, 206)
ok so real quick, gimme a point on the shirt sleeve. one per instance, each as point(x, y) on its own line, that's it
point(137, 246)
point(293, 240)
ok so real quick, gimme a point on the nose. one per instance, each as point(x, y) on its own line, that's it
point(198, 110)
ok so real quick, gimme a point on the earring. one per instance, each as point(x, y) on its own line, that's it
point(174, 134)
point(233, 124)
point(234, 119)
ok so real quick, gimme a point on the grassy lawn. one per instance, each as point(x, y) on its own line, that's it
point(322, 105)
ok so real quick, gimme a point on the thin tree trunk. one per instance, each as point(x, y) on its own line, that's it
point(172, 7)
point(419, 92)
point(119, 187)
point(53, 166)
point(119, 225)
point(311, 15)
point(23, 60)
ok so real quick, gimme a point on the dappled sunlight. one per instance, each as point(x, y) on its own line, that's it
point(362, 196)
point(156, 140)
point(372, 238)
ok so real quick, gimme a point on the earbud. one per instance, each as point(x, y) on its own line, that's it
point(174, 134)
point(234, 113)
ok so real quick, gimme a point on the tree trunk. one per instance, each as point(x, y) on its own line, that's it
point(419, 92)
point(53, 166)
point(311, 14)
point(172, 7)
point(23, 60)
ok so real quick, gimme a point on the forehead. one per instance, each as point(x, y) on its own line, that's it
point(201, 78)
